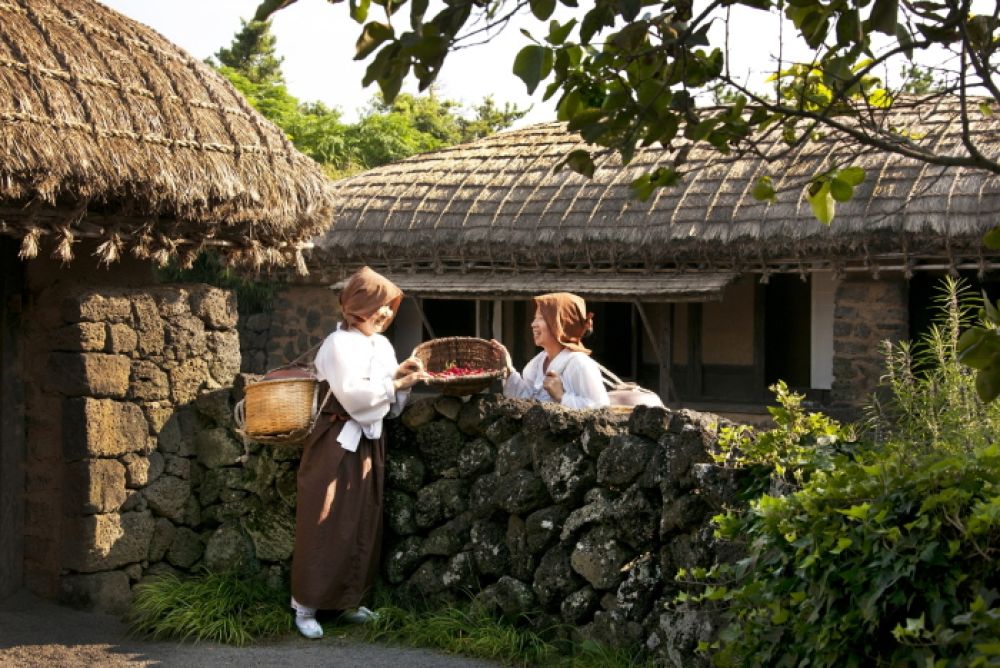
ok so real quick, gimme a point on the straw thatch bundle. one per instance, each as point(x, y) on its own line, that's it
point(108, 131)
point(497, 204)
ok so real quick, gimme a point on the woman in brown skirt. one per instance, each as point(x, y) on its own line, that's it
point(338, 517)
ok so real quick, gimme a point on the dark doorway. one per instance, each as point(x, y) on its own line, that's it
point(450, 317)
point(11, 422)
point(787, 331)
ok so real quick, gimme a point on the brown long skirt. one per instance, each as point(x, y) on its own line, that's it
point(338, 518)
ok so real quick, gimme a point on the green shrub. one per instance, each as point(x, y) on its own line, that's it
point(221, 607)
point(883, 552)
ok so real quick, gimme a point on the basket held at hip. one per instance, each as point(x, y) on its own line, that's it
point(625, 394)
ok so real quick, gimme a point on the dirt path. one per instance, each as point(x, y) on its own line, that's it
point(36, 632)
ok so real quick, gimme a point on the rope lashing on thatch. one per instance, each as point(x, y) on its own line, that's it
point(498, 204)
point(168, 155)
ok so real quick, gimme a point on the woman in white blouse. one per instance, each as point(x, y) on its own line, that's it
point(338, 514)
point(563, 372)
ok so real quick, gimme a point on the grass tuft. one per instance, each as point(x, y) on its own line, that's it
point(217, 607)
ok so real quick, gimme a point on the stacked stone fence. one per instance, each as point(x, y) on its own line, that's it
point(578, 518)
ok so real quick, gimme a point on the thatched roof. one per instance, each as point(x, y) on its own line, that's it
point(109, 131)
point(497, 204)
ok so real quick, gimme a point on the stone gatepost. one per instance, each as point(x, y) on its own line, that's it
point(868, 311)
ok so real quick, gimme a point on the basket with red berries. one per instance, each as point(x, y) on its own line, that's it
point(461, 365)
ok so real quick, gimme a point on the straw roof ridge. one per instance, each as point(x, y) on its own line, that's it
point(113, 133)
point(500, 197)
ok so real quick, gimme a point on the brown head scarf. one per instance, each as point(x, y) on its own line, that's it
point(567, 318)
point(366, 292)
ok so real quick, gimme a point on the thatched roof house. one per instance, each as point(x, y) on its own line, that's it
point(110, 132)
point(702, 291)
point(497, 205)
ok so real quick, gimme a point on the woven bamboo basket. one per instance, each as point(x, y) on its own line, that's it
point(279, 409)
point(438, 354)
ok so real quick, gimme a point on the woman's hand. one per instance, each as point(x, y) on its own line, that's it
point(409, 365)
point(553, 385)
point(407, 381)
point(506, 355)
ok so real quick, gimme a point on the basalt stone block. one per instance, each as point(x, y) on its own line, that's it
point(641, 587)
point(544, 526)
point(216, 448)
point(598, 557)
point(481, 410)
point(101, 592)
point(141, 470)
point(450, 538)
point(224, 357)
point(418, 413)
point(579, 606)
point(148, 382)
point(554, 578)
point(460, 572)
point(186, 379)
point(440, 501)
point(228, 548)
point(596, 436)
point(489, 547)
point(121, 338)
point(216, 405)
point(502, 429)
point(440, 442)
point(651, 422)
point(102, 428)
point(522, 492)
point(624, 460)
point(148, 325)
point(448, 407)
point(215, 306)
point(81, 336)
point(402, 558)
point(405, 472)
point(400, 510)
point(484, 493)
point(476, 457)
point(88, 374)
point(185, 549)
point(612, 629)
point(567, 474)
point(513, 597)
point(272, 531)
point(95, 486)
point(522, 562)
point(598, 508)
point(104, 542)
point(513, 454)
point(168, 496)
point(163, 537)
point(427, 578)
point(97, 307)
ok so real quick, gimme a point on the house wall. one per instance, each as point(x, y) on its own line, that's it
point(122, 411)
point(868, 311)
point(300, 318)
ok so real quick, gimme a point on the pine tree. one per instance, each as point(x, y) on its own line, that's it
point(252, 54)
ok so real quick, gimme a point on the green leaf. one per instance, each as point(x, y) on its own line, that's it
point(988, 384)
point(417, 10)
point(542, 9)
point(842, 544)
point(883, 16)
point(858, 512)
point(559, 33)
point(763, 190)
point(642, 187)
point(992, 239)
point(851, 175)
point(580, 162)
point(532, 64)
point(372, 35)
point(359, 9)
point(985, 109)
point(822, 203)
point(841, 190)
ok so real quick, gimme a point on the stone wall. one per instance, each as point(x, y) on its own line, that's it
point(867, 312)
point(301, 317)
point(124, 392)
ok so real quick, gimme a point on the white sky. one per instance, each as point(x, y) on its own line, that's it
point(316, 40)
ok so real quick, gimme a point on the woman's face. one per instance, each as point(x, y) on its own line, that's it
point(377, 322)
point(540, 331)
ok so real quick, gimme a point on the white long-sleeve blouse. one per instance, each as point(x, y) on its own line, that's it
point(359, 370)
point(581, 379)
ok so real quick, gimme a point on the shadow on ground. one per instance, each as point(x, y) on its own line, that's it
point(37, 632)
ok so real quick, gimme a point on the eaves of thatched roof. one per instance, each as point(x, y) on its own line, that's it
point(497, 203)
point(109, 131)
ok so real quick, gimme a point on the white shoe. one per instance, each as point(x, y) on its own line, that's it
point(360, 616)
point(308, 626)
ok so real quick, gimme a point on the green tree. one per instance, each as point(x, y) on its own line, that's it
point(627, 73)
point(252, 54)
